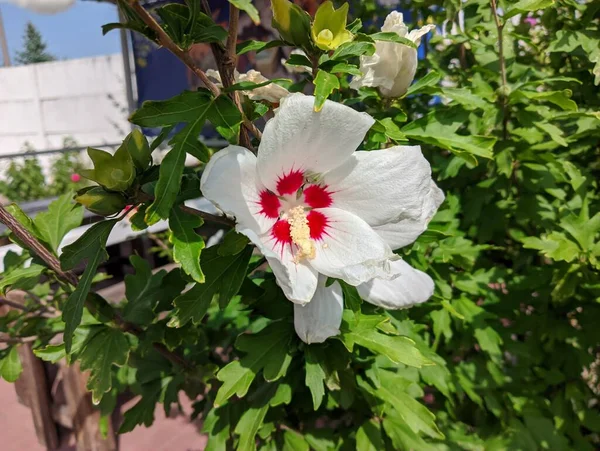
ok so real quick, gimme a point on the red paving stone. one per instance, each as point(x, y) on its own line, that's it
point(175, 433)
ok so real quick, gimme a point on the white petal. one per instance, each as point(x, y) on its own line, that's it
point(350, 250)
point(383, 187)
point(230, 182)
point(300, 139)
point(320, 319)
point(411, 287)
point(272, 93)
point(416, 35)
point(298, 281)
point(407, 229)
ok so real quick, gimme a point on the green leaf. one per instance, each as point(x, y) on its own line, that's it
point(142, 291)
point(185, 107)
point(248, 426)
point(217, 425)
point(489, 340)
point(171, 169)
point(91, 246)
point(137, 146)
point(24, 220)
point(20, 278)
point(105, 348)
point(267, 350)
point(439, 129)
point(555, 245)
point(293, 441)
point(560, 98)
point(325, 84)
point(524, 6)
point(223, 276)
point(186, 26)
point(368, 437)
point(414, 414)
point(467, 99)
point(583, 229)
point(187, 244)
point(248, 7)
point(226, 118)
point(353, 49)
point(62, 216)
point(10, 365)
point(141, 413)
point(399, 349)
point(233, 243)
point(315, 375)
point(352, 299)
point(256, 46)
point(431, 79)
point(393, 37)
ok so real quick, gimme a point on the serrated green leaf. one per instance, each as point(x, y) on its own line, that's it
point(256, 46)
point(325, 84)
point(315, 375)
point(20, 278)
point(102, 350)
point(223, 276)
point(393, 37)
point(368, 437)
point(62, 216)
point(233, 243)
point(555, 245)
point(142, 291)
point(353, 49)
point(431, 79)
point(267, 350)
point(91, 246)
point(187, 244)
point(248, 426)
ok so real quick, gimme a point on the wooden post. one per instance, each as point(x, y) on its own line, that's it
point(32, 388)
point(85, 418)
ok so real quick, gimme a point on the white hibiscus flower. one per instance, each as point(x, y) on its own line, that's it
point(316, 209)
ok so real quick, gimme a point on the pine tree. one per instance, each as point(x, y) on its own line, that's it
point(34, 48)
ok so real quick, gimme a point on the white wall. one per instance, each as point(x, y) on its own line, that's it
point(81, 98)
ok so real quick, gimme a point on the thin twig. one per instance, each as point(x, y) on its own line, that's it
point(208, 217)
point(17, 340)
point(219, 219)
point(69, 277)
point(13, 304)
point(500, 28)
point(226, 60)
point(167, 42)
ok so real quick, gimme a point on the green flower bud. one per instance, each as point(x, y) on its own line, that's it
point(99, 201)
point(137, 146)
point(292, 23)
point(113, 172)
point(329, 28)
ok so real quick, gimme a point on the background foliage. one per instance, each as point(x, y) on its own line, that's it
point(505, 354)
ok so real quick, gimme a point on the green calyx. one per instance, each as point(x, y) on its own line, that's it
point(97, 200)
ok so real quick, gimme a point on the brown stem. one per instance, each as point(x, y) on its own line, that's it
point(17, 340)
point(207, 216)
point(167, 42)
point(69, 277)
point(500, 28)
point(13, 304)
point(226, 60)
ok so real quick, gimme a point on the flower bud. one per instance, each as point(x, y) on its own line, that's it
point(113, 172)
point(329, 28)
point(99, 201)
point(292, 23)
point(393, 66)
point(137, 146)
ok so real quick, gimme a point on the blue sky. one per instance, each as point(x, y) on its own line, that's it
point(74, 33)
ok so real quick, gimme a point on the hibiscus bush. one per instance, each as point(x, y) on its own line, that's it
point(462, 184)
